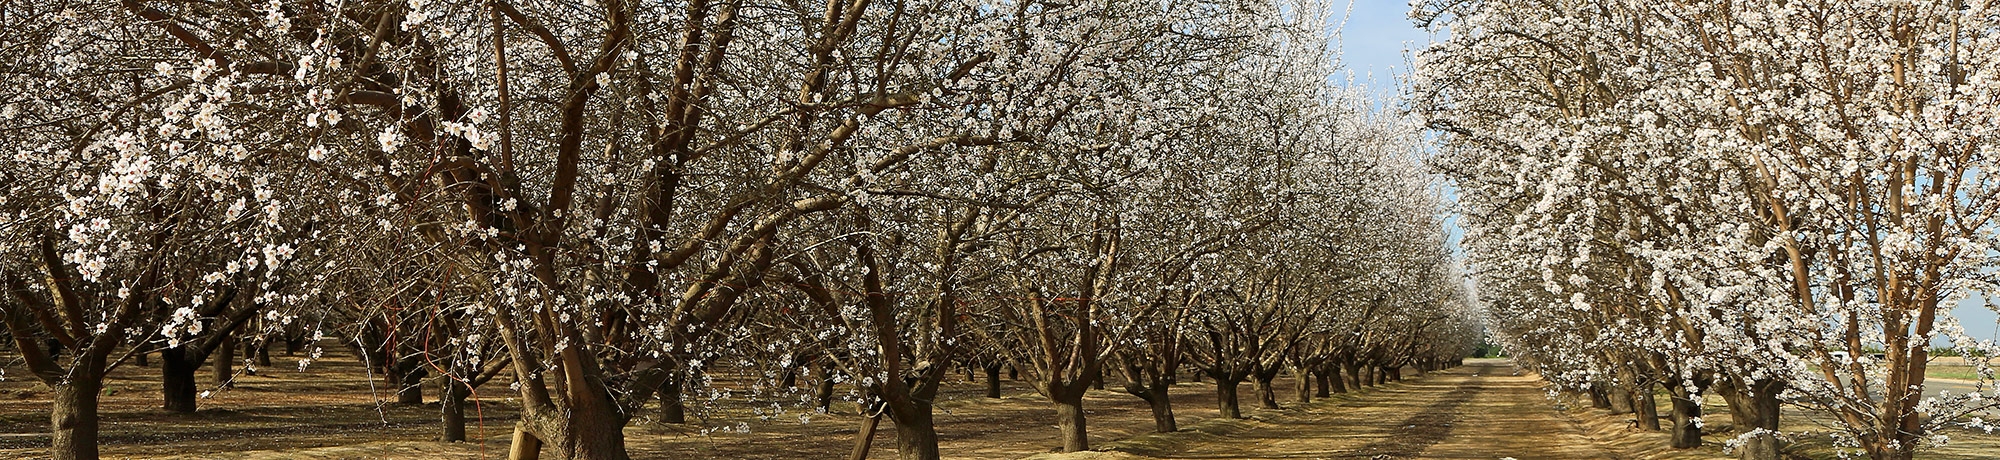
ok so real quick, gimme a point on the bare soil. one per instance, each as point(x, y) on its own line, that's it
point(333, 410)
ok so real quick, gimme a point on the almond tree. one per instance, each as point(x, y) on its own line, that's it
point(1778, 186)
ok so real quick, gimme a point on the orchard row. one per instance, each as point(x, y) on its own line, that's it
point(609, 200)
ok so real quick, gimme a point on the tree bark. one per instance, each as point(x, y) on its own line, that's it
point(916, 432)
point(177, 387)
point(74, 419)
point(225, 365)
point(1304, 390)
point(674, 410)
point(1619, 400)
point(864, 439)
point(1322, 384)
point(596, 432)
point(1267, 397)
point(1225, 398)
point(1686, 408)
point(452, 400)
point(1069, 420)
point(1163, 409)
point(1755, 408)
point(1333, 379)
point(526, 446)
point(1644, 408)
point(1599, 397)
point(410, 381)
point(993, 381)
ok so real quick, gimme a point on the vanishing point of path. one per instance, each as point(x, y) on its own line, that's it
point(1481, 410)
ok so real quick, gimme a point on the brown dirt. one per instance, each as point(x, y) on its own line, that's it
point(1480, 411)
point(1484, 410)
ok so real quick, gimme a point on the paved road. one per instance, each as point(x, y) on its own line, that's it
point(1481, 410)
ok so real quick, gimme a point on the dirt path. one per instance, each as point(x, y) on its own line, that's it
point(1481, 410)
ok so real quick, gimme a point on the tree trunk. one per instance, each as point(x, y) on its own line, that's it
point(1619, 400)
point(141, 357)
point(74, 418)
point(526, 446)
point(1069, 420)
point(1686, 408)
point(1353, 376)
point(1267, 398)
point(452, 399)
point(225, 365)
point(1395, 374)
point(410, 380)
point(993, 381)
point(1645, 408)
point(1163, 408)
point(264, 353)
point(1599, 397)
point(593, 432)
point(864, 439)
point(1225, 398)
point(1756, 411)
point(823, 392)
point(916, 432)
point(1322, 386)
point(1334, 379)
point(1097, 380)
point(674, 410)
point(177, 386)
point(1304, 390)
point(1381, 375)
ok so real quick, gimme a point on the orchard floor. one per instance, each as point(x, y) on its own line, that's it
point(1486, 410)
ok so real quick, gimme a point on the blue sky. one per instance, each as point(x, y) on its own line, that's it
point(1375, 46)
point(1374, 41)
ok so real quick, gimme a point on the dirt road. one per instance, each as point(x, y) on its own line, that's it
point(1482, 410)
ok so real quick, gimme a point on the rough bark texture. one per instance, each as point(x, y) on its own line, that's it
point(993, 382)
point(916, 434)
point(410, 380)
point(1620, 400)
point(1333, 379)
point(1267, 397)
point(225, 365)
point(1303, 391)
point(74, 419)
point(1069, 420)
point(594, 431)
point(525, 447)
point(177, 386)
point(1225, 398)
point(1163, 410)
point(1599, 397)
point(674, 410)
point(1755, 409)
point(1645, 409)
point(1321, 384)
point(452, 400)
point(1686, 408)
